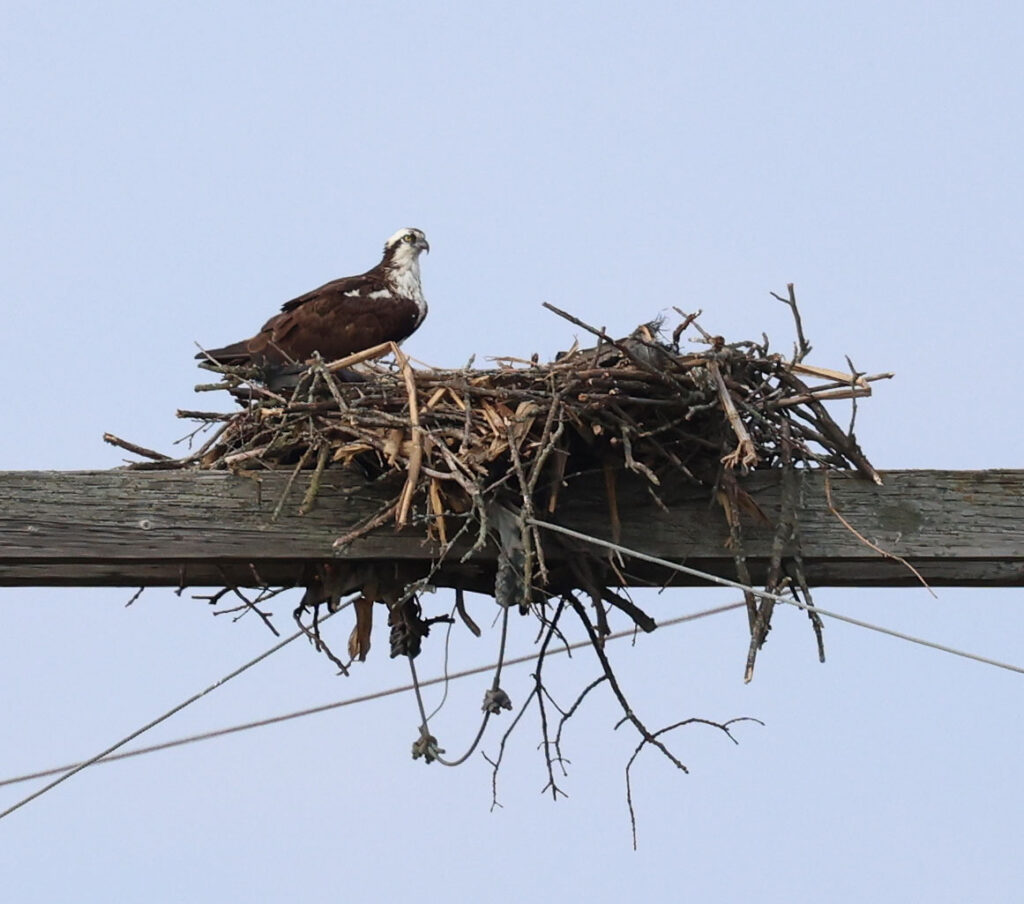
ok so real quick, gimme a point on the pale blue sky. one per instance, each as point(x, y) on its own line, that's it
point(171, 174)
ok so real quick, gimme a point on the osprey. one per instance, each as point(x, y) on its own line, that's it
point(344, 316)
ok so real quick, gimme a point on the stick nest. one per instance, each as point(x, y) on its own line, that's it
point(643, 402)
point(482, 458)
point(491, 451)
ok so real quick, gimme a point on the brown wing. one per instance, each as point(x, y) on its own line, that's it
point(335, 326)
point(328, 321)
point(365, 283)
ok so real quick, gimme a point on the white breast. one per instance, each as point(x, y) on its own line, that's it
point(404, 281)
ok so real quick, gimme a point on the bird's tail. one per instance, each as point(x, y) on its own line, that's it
point(234, 354)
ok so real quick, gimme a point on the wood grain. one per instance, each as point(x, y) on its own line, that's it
point(131, 528)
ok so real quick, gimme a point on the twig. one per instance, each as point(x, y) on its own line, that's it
point(323, 453)
point(601, 334)
point(803, 347)
point(783, 532)
point(306, 455)
point(721, 726)
point(134, 449)
point(366, 526)
point(376, 351)
point(868, 543)
point(628, 714)
point(460, 607)
point(416, 454)
point(744, 455)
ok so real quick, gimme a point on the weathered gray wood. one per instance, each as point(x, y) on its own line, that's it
point(129, 528)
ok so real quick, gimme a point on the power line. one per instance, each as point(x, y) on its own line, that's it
point(177, 709)
point(108, 755)
point(725, 582)
point(364, 698)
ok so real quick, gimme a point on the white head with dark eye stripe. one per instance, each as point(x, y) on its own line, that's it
point(406, 243)
point(402, 264)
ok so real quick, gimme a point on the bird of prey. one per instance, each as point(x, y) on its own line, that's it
point(344, 316)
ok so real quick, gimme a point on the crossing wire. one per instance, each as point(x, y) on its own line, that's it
point(109, 756)
point(725, 582)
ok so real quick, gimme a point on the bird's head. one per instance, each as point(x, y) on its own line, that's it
point(401, 264)
point(406, 245)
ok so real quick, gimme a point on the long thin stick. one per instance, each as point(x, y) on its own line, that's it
point(378, 351)
point(745, 454)
point(416, 454)
point(131, 447)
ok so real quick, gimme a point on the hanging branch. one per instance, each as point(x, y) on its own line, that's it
point(784, 529)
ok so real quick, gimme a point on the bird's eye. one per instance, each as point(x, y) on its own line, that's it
point(408, 237)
